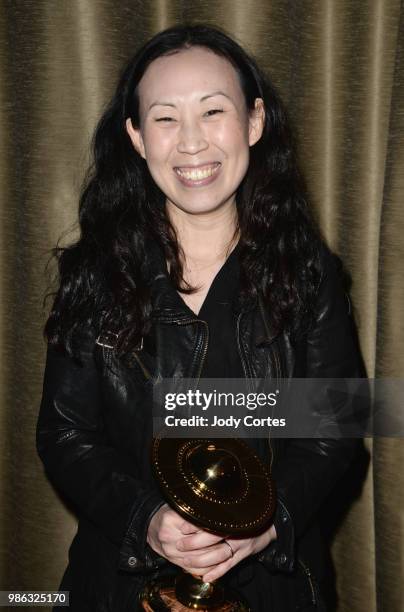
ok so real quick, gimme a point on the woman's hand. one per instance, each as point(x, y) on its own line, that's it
point(167, 530)
point(197, 551)
point(213, 562)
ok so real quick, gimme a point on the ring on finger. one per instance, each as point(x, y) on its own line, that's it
point(231, 549)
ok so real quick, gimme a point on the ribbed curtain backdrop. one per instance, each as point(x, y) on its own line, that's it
point(338, 65)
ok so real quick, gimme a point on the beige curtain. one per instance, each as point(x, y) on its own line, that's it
point(339, 66)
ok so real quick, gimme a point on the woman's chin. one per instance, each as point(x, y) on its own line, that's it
point(200, 206)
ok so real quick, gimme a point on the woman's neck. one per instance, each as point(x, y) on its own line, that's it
point(204, 238)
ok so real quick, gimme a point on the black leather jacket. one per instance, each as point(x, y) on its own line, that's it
point(94, 430)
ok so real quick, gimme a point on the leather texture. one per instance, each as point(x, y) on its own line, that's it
point(94, 431)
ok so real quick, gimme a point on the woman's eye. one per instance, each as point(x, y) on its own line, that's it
point(213, 111)
point(208, 113)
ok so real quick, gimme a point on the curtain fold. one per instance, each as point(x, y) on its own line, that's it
point(339, 68)
point(389, 453)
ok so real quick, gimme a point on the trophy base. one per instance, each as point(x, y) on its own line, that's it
point(160, 596)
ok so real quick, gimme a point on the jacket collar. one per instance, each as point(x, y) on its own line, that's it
point(166, 303)
point(168, 306)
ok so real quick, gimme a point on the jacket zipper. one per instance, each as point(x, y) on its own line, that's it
point(247, 370)
point(278, 372)
point(310, 579)
point(168, 319)
point(249, 374)
point(205, 350)
point(143, 367)
point(203, 342)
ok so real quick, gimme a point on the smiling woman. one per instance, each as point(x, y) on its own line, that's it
point(197, 257)
point(195, 129)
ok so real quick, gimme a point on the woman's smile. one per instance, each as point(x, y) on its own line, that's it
point(197, 176)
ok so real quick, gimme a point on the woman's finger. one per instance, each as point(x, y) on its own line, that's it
point(199, 571)
point(201, 539)
point(219, 570)
point(211, 556)
point(187, 528)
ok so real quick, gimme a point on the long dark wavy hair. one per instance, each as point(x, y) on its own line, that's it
point(121, 209)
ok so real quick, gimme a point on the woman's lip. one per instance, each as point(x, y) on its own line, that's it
point(199, 167)
point(199, 182)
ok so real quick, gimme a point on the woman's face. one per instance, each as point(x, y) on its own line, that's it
point(195, 130)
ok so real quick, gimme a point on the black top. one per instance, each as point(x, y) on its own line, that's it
point(218, 310)
point(222, 360)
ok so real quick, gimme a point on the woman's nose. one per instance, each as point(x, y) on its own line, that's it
point(191, 138)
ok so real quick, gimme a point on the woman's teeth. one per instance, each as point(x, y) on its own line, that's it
point(198, 174)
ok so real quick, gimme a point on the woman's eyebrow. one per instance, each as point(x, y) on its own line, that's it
point(210, 95)
point(216, 93)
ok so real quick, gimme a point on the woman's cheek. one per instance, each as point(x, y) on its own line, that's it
point(231, 134)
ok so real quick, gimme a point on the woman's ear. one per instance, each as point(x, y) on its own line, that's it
point(256, 122)
point(136, 137)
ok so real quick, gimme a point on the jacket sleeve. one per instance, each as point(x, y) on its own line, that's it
point(99, 480)
point(311, 467)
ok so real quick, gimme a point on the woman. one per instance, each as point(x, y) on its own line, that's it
point(197, 257)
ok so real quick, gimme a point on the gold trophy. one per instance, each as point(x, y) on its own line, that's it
point(221, 486)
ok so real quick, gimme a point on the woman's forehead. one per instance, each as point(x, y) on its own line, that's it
point(188, 73)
